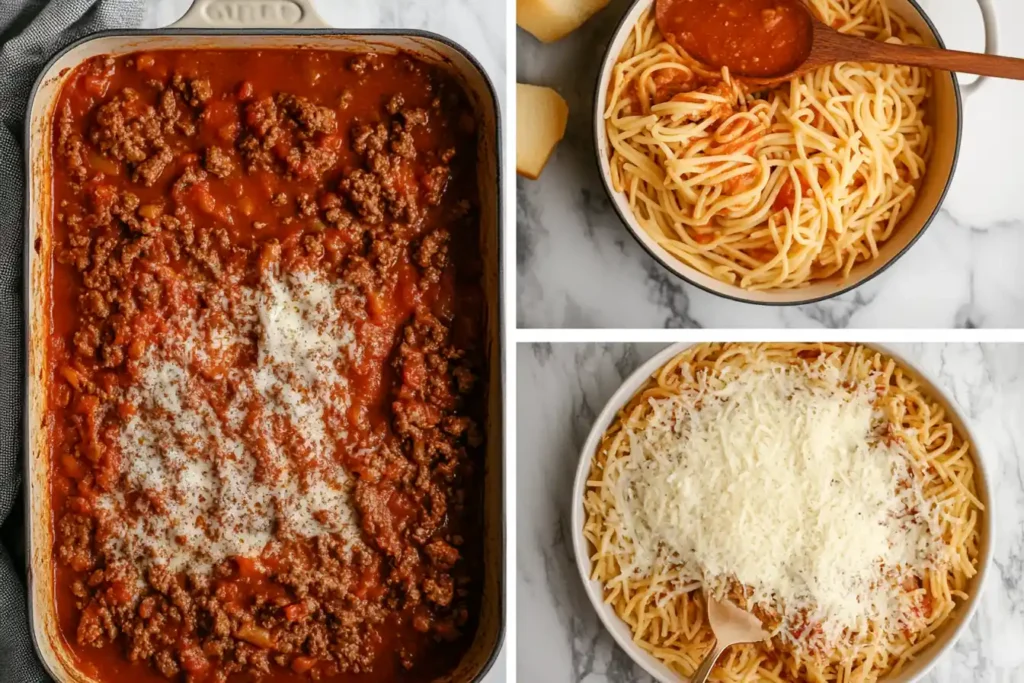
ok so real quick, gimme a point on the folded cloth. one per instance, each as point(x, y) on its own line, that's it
point(31, 32)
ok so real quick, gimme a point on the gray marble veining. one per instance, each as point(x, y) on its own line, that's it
point(562, 387)
point(579, 267)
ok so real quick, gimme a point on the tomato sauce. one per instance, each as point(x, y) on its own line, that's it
point(754, 38)
point(182, 176)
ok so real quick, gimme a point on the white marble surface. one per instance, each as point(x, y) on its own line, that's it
point(579, 267)
point(478, 25)
point(561, 388)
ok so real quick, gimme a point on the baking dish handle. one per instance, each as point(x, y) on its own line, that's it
point(228, 14)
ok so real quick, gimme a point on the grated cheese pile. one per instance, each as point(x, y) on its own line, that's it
point(223, 454)
point(778, 477)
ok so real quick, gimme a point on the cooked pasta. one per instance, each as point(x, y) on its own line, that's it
point(817, 486)
point(770, 187)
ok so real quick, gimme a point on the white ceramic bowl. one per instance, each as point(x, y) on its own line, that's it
point(946, 115)
point(916, 669)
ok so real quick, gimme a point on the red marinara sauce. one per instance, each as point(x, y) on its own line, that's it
point(755, 38)
point(266, 274)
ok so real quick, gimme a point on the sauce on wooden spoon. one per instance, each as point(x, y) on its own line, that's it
point(753, 38)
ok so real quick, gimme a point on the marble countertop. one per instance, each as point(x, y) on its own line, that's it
point(579, 267)
point(562, 387)
point(479, 25)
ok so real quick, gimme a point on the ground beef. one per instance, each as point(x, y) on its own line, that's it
point(395, 104)
point(94, 303)
point(175, 118)
point(385, 187)
point(127, 129)
point(166, 663)
point(433, 250)
point(366, 62)
point(196, 91)
point(148, 171)
point(369, 139)
point(363, 190)
point(307, 205)
point(75, 547)
point(439, 590)
point(403, 144)
point(441, 554)
point(309, 160)
point(310, 118)
point(218, 162)
point(231, 171)
point(415, 117)
point(95, 627)
point(70, 146)
point(292, 133)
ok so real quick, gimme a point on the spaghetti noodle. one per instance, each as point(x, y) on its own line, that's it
point(910, 548)
point(777, 188)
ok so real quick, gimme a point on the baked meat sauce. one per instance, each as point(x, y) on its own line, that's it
point(193, 190)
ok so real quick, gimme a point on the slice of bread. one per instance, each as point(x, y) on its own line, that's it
point(541, 116)
point(551, 20)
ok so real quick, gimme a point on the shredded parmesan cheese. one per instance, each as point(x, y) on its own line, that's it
point(225, 451)
point(780, 479)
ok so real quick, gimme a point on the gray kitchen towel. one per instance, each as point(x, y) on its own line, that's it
point(31, 31)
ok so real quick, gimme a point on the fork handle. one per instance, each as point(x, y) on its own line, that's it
point(704, 670)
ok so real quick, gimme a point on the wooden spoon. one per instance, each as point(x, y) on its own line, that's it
point(822, 46)
point(731, 626)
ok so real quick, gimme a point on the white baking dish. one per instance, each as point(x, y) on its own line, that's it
point(224, 25)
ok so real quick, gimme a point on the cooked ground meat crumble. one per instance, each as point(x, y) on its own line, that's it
point(222, 202)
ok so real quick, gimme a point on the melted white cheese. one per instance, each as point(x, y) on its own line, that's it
point(781, 480)
point(206, 492)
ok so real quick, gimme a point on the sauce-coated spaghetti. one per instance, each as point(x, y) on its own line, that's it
point(771, 188)
point(814, 485)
